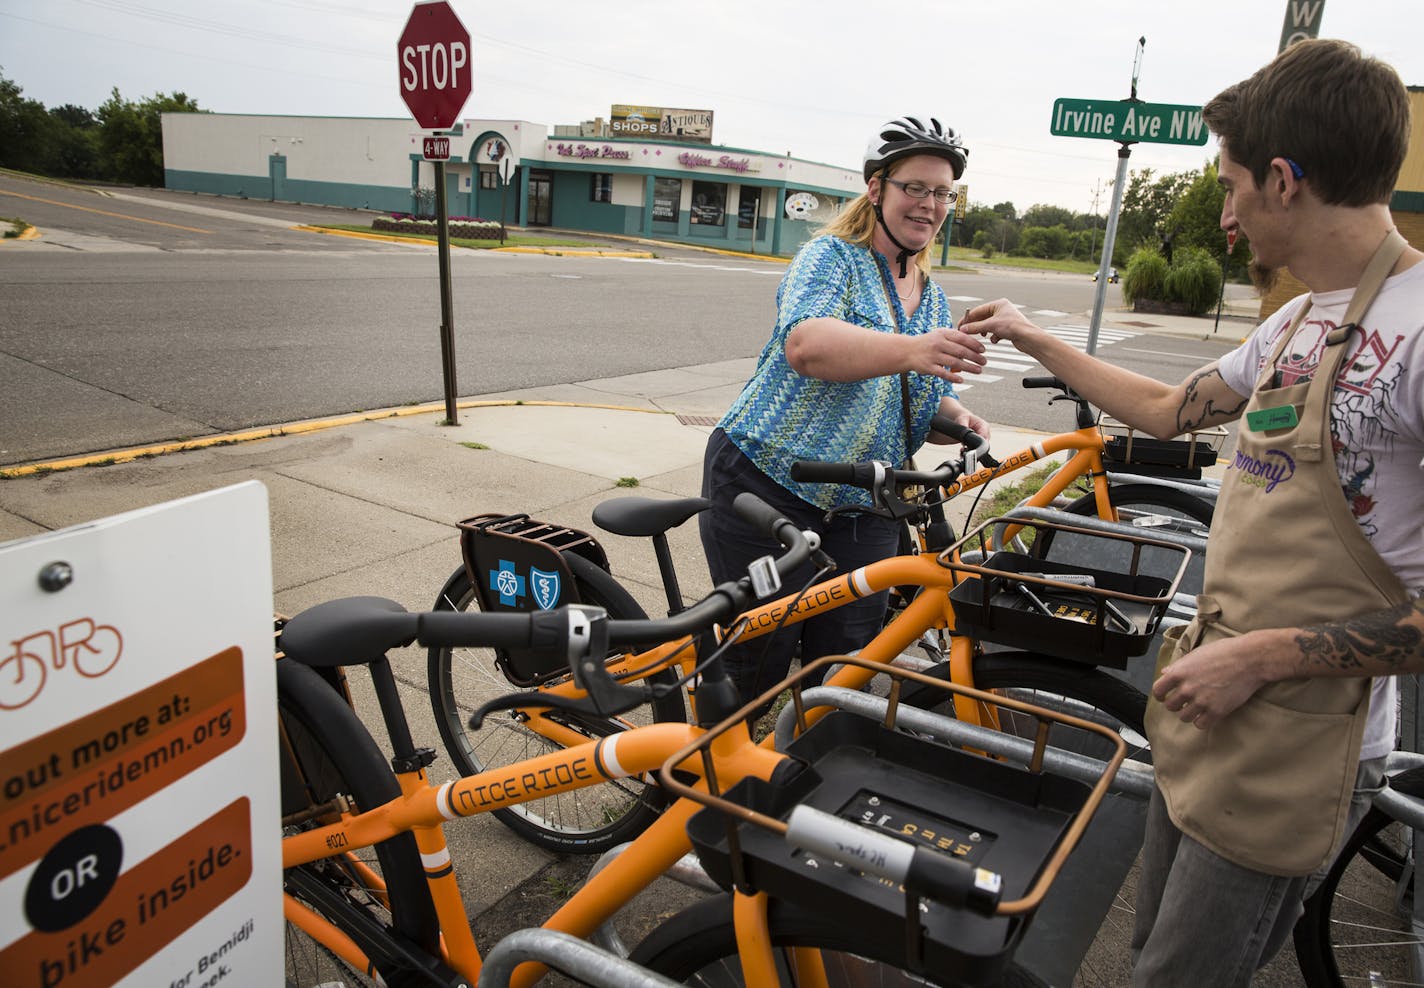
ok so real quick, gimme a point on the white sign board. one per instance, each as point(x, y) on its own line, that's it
point(139, 807)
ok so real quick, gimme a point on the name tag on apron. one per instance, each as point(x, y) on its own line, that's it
point(1266, 419)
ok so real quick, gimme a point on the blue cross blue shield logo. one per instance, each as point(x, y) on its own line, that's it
point(507, 583)
point(545, 587)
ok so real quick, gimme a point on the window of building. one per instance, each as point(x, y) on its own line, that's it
point(749, 206)
point(601, 187)
point(709, 203)
point(487, 179)
point(667, 199)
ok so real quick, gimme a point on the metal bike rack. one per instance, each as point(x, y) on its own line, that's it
point(687, 870)
point(568, 954)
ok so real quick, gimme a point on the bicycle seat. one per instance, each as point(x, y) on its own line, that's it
point(347, 632)
point(643, 517)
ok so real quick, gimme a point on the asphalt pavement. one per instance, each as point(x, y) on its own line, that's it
point(367, 504)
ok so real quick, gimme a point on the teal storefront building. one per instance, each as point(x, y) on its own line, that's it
point(642, 188)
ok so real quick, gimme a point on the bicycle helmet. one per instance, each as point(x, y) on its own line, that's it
point(904, 137)
point(914, 135)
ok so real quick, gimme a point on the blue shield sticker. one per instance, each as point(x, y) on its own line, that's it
point(545, 587)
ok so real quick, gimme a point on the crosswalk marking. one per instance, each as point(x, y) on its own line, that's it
point(1003, 357)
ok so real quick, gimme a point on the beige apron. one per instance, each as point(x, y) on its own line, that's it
point(1268, 787)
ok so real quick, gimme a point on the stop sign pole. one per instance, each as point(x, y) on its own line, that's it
point(433, 56)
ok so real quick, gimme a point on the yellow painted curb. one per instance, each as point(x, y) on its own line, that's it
point(29, 233)
point(365, 236)
point(290, 429)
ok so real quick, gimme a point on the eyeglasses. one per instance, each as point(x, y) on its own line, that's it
point(918, 190)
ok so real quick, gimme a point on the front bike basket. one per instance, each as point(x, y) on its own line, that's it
point(1014, 820)
point(1067, 610)
point(517, 564)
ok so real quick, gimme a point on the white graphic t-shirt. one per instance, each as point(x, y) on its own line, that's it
point(1377, 422)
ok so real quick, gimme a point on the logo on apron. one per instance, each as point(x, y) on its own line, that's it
point(1274, 467)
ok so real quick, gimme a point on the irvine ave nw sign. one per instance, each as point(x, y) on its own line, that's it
point(1128, 121)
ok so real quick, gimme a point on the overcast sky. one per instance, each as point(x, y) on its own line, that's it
point(810, 78)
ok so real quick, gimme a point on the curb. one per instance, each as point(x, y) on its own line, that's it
point(126, 455)
point(420, 242)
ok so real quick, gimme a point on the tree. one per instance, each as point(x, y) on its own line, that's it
point(1197, 219)
point(1043, 215)
point(131, 135)
point(27, 133)
point(76, 142)
point(1146, 207)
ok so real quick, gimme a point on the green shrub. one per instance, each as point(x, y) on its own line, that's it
point(1146, 275)
point(1193, 278)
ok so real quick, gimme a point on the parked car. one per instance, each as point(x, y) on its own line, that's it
point(1113, 279)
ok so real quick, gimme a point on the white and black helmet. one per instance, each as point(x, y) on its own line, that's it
point(914, 135)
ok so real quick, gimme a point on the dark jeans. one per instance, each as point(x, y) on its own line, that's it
point(852, 540)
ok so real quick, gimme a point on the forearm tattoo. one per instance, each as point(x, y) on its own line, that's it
point(1198, 408)
point(1384, 637)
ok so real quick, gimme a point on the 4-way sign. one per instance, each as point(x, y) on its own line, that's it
point(433, 55)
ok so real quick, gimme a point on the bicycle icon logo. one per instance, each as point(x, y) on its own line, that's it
point(91, 649)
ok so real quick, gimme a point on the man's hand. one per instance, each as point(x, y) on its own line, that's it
point(1210, 682)
point(998, 320)
point(947, 353)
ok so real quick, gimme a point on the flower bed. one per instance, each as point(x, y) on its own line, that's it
point(463, 227)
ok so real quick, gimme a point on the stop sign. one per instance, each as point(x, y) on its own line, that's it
point(434, 59)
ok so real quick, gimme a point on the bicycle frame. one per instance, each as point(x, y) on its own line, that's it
point(423, 809)
point(723, 754)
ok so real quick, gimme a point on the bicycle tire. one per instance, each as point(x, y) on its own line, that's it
point(1061, 686)
point(584, 821)
point(333, 753)
point(698, 946)
point(1353, 924)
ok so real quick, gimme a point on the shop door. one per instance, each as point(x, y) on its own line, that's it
point(541, 197)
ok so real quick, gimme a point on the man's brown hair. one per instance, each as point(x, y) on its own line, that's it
point(1340, 115)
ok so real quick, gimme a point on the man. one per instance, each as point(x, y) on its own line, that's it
point(1265, 739)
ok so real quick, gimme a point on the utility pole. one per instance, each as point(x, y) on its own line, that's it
point(1097, 194)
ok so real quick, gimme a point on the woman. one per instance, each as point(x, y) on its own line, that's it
point(863, 355)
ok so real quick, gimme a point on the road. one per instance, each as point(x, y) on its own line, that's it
point(144, 315)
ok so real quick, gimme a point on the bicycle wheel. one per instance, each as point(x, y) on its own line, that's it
point(1061, 686)
point(377, 896)
point(1153, 511)
point(1357, 922)
point(585, 821)
point(698, 946)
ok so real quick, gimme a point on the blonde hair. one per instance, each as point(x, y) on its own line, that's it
point(855, 224)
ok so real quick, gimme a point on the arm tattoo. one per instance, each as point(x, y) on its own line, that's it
point(1198, 409)
point(1386, 637)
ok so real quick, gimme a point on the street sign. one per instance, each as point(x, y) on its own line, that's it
point(506, 168)
point(433, 55)
point(1128, 121)
point(436, 148)
point(1302, 22)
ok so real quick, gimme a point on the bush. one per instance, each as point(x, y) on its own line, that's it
point(463, 227)
point(1146, 276)
point(1194, 278)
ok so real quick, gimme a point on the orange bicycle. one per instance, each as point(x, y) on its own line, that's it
point(935, 856)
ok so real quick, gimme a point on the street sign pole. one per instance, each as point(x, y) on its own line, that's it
point(1124, 151)
point(447, 296)
point(433, 59)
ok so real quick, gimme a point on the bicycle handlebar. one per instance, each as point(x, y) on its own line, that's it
point(885, 482)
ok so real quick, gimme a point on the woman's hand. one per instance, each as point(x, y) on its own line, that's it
point(946, 353)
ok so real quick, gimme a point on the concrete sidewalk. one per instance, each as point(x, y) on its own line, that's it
point(369, 506)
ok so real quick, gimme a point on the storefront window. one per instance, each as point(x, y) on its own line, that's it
point(749, 206)
point(487, 179)
point(601, 187)
point(667, 199)
point(709, 203)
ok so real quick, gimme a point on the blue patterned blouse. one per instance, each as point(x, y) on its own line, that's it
point(782, 416)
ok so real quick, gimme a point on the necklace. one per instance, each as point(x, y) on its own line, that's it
point(906, 298)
